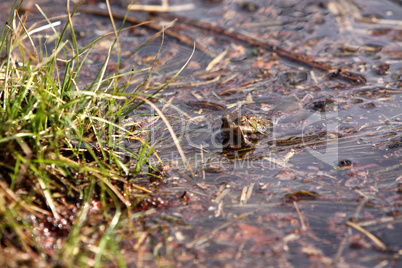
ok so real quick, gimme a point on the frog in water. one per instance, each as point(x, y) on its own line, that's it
point(242, 130)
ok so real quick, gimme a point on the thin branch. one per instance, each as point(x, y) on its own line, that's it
point(154, 26)
point(254, 41)
point(372, 237)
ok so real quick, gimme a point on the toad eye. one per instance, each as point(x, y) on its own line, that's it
point(243, 120)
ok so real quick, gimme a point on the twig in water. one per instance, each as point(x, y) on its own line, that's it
point(254, 41)
point(372, 237)
point(303, 225)
point(154, 26)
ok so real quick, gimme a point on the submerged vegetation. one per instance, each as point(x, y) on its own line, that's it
point(61, 147)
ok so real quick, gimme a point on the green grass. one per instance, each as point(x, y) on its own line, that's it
point(61, 149)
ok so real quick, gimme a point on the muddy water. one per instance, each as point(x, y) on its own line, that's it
point(353, 171)
point(287, 201)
